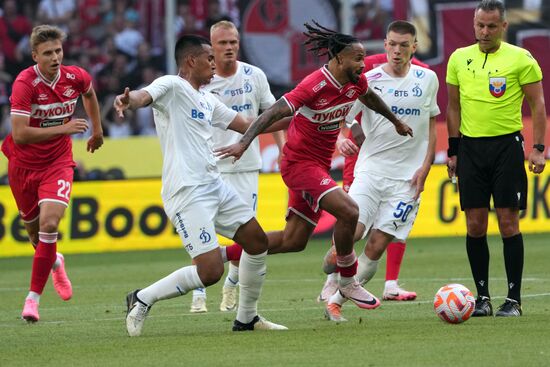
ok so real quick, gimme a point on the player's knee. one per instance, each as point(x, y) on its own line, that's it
point(350, 214)
point(211, 275)
point(49, 225)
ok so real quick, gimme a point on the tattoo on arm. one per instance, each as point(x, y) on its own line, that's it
point(375, 103)
point(276, 112)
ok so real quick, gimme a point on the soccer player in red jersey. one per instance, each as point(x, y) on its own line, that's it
point(39, 152)
point(395, 250)
point(319, 105)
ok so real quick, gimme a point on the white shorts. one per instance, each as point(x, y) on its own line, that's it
point(246, 186)
point(199, 212)
point(385, 204)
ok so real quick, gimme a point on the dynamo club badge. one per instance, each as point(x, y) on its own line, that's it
point(497, 86)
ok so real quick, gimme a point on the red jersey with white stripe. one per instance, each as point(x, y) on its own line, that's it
point(319, 104)
point(47, 104)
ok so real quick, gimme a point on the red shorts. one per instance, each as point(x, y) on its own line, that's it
point(307, 184)
point(347, 174)
point(31, 187)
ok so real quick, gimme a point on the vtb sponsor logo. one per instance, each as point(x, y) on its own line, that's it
point(327, 116)
point(53, 110)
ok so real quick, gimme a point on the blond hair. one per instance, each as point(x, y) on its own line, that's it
point(225, 24)
point(45, 33)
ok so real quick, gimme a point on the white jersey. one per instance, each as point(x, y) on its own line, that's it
point(413, 99)
point(184, 118)
point(247, 92)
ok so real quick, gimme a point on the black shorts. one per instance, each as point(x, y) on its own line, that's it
point(492, 166)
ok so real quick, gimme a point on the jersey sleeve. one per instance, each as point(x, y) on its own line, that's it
point(158, 90)
point(529, 70)
point(452, 77)
point(434, 88)
point(21, 98)
point(85, 81)
point(266, 98)
point(353, 112)
point(301, 95)
point(222, 115)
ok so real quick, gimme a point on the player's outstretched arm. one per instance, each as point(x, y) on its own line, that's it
point(375, 103)
point(131, 100)
point(535, 98)
point(275, 113)
point(23, 133)
point(91, 105)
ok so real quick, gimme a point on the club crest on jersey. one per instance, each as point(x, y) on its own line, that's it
point(68, 92)
point(497, 86)
point(417, 91)
point(319, 86)
point(350, 93)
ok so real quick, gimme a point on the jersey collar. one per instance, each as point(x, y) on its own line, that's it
point(46, 81)
point(330, 77)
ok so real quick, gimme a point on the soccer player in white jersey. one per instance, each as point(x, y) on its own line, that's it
point(391, 169)
point(195, 198)
point(243, 88)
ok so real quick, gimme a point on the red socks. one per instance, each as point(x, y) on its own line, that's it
point(346, 265)
point(234, 252)
point(44, 258)
point(394, 252)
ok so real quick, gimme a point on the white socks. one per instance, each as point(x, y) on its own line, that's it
point(176, 284)
point(199, 293)
point(34, 296)
point(232, 278)
point(252, 270)
point(366, 268)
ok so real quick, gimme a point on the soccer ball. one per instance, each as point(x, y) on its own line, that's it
point(454, 303)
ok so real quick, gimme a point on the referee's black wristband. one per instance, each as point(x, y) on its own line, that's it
point(453, 146)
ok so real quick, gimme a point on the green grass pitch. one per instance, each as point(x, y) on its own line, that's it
point(89, 330)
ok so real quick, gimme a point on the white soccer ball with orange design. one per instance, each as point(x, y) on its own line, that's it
point(454, 303)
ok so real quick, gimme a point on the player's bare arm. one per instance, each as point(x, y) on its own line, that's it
point(275, 113)
point(453, 126)
point(131, 100)
point(91, 106)
point(535, 98)
point(377, 104)
point(345, 146)
point(23, 133)
point(420, 176)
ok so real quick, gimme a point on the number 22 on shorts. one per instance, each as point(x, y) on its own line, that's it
point(64, 189)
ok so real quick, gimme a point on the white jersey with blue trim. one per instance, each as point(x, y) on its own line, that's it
point(413, 99)
point(247, 92)
point(184, 118)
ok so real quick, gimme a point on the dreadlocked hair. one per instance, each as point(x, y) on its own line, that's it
point(321, 38)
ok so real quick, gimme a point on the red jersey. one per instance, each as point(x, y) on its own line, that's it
point(47, 104)
point(321, 104)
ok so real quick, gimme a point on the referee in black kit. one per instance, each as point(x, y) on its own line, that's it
point(487, 82)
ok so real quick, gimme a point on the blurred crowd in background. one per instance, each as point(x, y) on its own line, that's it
point(121, 43)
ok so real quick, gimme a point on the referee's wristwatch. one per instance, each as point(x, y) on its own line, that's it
point(539, 147)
